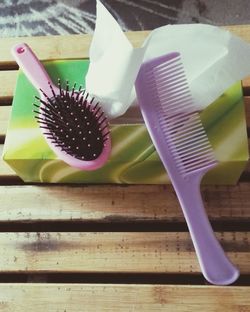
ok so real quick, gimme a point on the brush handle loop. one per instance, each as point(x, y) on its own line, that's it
point(215, 265)
point(32, 68)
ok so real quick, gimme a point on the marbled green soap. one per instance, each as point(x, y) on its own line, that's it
point(133, 158)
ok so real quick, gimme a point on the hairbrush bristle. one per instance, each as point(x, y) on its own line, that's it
point(73, 121)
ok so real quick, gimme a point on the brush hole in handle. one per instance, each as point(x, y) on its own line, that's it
point(32, 68)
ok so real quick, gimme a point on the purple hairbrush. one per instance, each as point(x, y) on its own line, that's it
point(183, 146)
point(74, 127)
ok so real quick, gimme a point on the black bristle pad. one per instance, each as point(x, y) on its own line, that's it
point(74, 124)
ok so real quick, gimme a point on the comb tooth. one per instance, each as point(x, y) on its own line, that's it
point(167, 78)
point(184, 128)
point(174, 121)
point(167, 101)
point(173, 92)
point(173, 112)
point(171, 89)
point(195, 135)
point(169, 75)
point(168, 67)
point(164, 94)
point(183, 119)
point(184, 146)
point(178, 132)
point(189, 157)
point(177, 59)
point(197, 164)
point(172, 95)
point(166, 86)
point(184, 150)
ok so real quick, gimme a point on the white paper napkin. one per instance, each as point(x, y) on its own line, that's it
point(213, 59)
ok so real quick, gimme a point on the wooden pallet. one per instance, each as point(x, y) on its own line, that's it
point(110, 248)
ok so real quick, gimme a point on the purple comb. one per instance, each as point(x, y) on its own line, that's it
point(183, 146)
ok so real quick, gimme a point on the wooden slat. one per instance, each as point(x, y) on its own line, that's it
point(117, 203)
point(77, 46)
point(127, 252)
point(8, 82)
point(58, 47)
point(242, 31)
point(118, 298)
point(5, 112)
point(246, 85)
point(70, 47)
point(5, 170)
point(247, 109)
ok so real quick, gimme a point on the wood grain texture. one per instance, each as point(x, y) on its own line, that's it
point(118, 298)
point(77, 46)
point(119, 252)
point(246, 85)
point(72, 47)
point(5, 170)
point(58, 47)
point(116, 203)
point(8, 83)
point(247, 109)
point(5, 112)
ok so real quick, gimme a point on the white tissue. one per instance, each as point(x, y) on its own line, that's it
point(213, 60)
point(114, 64)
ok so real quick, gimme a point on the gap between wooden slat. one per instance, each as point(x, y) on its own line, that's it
point(114, 278)
point(114, 203)
point(112, 252)
point(126, 225)
point(118, 298)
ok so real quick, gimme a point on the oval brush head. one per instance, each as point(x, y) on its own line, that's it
point(75, 125)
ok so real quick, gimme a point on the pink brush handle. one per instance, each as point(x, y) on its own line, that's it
point(32, 68)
